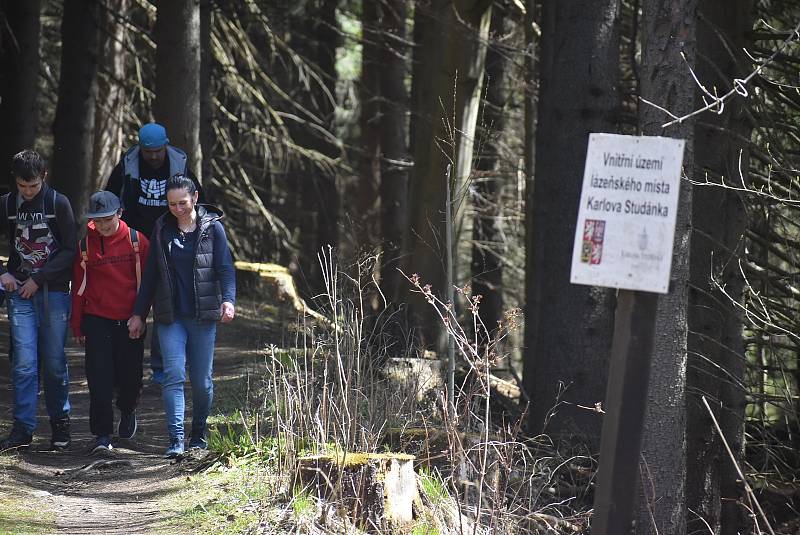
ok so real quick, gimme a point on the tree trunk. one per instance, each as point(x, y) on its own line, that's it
point(73, 128)
point(177, 104)
point(716, 358)
point(328, 200)
point(423, 26)
point(206, 128)
point(568, 327)
point(316, 38)
point(366, 217)
point(394, 175)
point(487, 229)
point(668, 28)
point(19, 79)
point(530, 90)
point(109, 110)
point(449, 98)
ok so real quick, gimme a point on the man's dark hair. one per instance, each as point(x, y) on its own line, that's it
point(28, 165)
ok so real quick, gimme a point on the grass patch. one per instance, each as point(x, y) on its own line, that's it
point(303, 505)
point(432, 486)
point(231, 497)
point(224, 502)
point(424, 528)
point(22, 514)
point(17, 517)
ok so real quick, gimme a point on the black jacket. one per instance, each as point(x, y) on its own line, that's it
point(142, 189)
point(212, 285)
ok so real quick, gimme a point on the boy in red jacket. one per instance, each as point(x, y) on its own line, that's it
point(106, 277)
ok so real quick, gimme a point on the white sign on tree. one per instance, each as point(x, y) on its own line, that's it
point(626, 219)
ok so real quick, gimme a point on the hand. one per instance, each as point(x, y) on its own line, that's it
point(226, 312)
point(135, 327)
point(28, 289)
point(80, 340)
point(8, 281)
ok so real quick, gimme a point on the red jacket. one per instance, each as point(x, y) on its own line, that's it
point(111, 279)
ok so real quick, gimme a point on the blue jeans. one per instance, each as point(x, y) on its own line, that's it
point(39, 335)
point(187, 342)
point(156, 363)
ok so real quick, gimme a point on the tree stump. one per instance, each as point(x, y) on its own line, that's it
point(376, 490)
point(422, 377)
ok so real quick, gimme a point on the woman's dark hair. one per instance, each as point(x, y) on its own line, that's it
point(181, 181)
point(28, 165)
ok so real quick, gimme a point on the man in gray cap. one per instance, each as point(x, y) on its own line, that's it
point(140, 181)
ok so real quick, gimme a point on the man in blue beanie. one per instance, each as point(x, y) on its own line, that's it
point(140, 181)
point(140, 177)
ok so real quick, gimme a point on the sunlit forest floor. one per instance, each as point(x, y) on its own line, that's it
point(265, 418)
point(131, 490)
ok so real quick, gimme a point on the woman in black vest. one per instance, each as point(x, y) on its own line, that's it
point(189, 279)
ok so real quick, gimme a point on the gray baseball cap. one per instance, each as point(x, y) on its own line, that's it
point(103, 204)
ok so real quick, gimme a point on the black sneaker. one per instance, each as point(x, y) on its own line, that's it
point(198, 438)
point(18, 438)
point(127, 425)
point(102, 444)
point(60, 438)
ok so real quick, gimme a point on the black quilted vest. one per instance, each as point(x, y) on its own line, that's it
point(208, 297)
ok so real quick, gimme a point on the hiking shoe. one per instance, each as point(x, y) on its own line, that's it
point(18, 438)
point(175, 448)
point(60, 438)
point(102, 443)
point(127, 424)
point(158, 377)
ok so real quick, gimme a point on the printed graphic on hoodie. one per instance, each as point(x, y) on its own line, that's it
point(153, 191)
point(33, 241)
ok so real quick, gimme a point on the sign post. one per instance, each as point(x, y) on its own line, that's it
point(624, 239)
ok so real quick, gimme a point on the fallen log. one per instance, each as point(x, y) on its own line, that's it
point(275, 282)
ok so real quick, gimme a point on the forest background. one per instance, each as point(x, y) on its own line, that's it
point(357, 125)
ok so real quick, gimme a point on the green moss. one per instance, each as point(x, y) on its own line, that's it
point(349, 460)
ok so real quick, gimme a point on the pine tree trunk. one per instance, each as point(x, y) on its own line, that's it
point(366, 216)
point(206, 95)
point(73, 127)
point(19, 79)
point(487, 229)
point(177, 104)
point(393, 129)
point(668, 28)
point(109, 110)
point(448, 96)
point(329, 41)
point(314, 192)
point(716, 352)
point(568, 327)
point(530, 90)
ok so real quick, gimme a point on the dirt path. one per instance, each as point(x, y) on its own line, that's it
point(122, 491)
